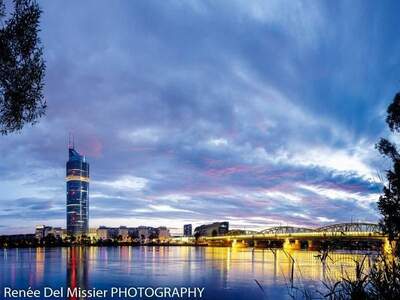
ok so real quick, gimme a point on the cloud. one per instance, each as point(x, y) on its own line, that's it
point(167, 208)
point(343, 161)
point(145, 135)
point(125, 183)
point(259, 113)
point(325, 220)
point(218, 142)
point(337, 194)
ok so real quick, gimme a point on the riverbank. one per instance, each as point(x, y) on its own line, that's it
point(30, 241)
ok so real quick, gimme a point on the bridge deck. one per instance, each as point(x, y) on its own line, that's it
point(302, 235)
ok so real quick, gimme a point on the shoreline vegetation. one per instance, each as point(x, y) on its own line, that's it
point(375, 277)
point(31, 241)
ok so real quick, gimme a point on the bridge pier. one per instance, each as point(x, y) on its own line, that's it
point(234, 242)
point(311, 246)
point(239, 244)
point(218, 243)
point(297, 245)
point(288, 245)
point(265, 244)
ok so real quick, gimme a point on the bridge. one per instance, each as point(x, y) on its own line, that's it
point(295, 237)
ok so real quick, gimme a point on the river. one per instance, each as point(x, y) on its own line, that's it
point(224, 273)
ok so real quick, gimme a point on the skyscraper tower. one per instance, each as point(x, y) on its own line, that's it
point(77, 193)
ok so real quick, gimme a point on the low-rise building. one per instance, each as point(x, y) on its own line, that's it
point(102, 233)
point(121, 233)
point(143, 233)
point(92, 234)
point(163, 234)
point(214, 229)
point(43, 231)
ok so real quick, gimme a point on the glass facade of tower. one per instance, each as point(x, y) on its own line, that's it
point(77, 194)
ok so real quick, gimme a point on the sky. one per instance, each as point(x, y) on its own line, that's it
point(260, 113)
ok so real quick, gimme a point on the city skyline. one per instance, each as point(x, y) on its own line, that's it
point(256, 114)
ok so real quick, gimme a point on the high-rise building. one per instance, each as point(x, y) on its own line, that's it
point(187, 230)
point(77, 193)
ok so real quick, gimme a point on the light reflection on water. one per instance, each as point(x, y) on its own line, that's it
point(226, 273)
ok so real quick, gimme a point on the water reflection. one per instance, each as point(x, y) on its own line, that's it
point(77, 269)
point(40, 262)
point(226, 273)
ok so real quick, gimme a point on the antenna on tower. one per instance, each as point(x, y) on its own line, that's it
point(71, 141)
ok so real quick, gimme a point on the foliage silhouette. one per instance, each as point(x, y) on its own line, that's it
point(22, 67)
point(389, 202)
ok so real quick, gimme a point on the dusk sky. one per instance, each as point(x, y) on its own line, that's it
point(259, 113)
